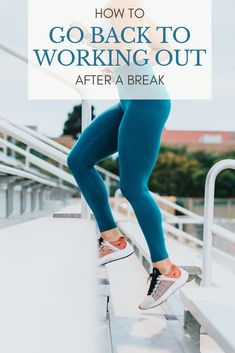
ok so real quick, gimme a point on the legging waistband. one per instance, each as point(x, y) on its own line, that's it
point(128, 90)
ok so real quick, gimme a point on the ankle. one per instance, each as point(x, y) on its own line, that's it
point(166, 271)
point(164, 267)
point(111, 235)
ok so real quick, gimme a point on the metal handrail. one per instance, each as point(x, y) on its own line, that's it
point(209, 217)
point(86, 113)
point(39, 136)
point(86, 109)
point(54, 144)
point(33, 142)
point(195, 218)
point(21, 173)
point(39, 162)
point(11, 162)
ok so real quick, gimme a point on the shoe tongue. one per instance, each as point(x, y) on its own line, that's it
point(154, 275)
point(156, 272)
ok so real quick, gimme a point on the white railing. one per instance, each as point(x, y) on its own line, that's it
point(209, 217)
point(39, 162)
point(188, 217)
point(21, 173)
point(43, 146)
point(36, 141)
point(56, 145)
point(46, 146)
point(39, 136)
point(9, 130)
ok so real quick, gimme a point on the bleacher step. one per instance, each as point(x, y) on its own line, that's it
point(133, 330)
point(214, 310)
point(48, 280)
point(103, 293)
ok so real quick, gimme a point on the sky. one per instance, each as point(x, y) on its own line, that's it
point(49, 116)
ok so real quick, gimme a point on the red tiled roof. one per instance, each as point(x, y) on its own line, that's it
point(65, 140)
point(200, 137)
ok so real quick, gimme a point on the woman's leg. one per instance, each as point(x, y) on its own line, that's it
point(97, 141)
point(138, 146)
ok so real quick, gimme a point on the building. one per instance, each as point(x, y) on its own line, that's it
point(219, 141)
point(65, 140)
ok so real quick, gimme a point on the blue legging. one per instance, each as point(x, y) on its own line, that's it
point(132, 128)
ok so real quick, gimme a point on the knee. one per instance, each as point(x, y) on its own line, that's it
point(129, 190)
point(123, 190)
point(74, 160)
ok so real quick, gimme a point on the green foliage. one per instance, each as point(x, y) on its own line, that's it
point(205, 158)
point(172, 174)
point(225, 185)
point(110, 164)
point(182, 173)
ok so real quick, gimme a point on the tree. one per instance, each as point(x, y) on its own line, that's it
point(73, 125)
point(110, 164)
point(225, 184)
point(205, 158)
point(172, 174)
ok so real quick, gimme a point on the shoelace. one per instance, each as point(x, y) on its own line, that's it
point(155, 278)
point(102, 243)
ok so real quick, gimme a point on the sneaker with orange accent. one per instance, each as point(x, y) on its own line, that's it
point(113, 251)
point(163, 286)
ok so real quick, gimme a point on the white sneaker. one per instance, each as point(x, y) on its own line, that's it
point(113, 251)
point(162, 287)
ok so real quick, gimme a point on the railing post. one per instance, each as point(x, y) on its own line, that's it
point(86, 119)
point(209, 217)
point(10, 200)
point(207, 229)
point(5, 147)
point(60, 166)
point(26, 157)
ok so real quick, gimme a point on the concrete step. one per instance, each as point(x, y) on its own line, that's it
point(105, 344)
point(48, 284)
point(133, 330)
point(214, 310)
point(103, 293)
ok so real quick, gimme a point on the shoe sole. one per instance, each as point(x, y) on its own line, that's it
point(171, 291)
point(120, 258)
point(122, 255)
